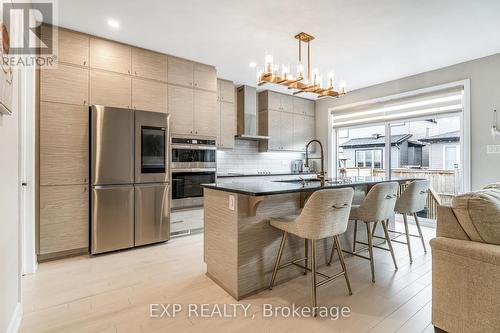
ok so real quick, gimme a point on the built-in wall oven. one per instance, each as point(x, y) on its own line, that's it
point(193, 163)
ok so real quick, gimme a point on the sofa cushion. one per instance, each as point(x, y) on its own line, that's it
point(479, 214)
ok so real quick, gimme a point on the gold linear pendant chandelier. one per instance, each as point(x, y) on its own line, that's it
point(299, 83)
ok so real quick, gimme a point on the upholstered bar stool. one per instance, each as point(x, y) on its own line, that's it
point(324, 215)
point(378, 206)
point(411, 201)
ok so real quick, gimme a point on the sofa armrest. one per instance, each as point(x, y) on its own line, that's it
point(487, 253)
point(448, 225)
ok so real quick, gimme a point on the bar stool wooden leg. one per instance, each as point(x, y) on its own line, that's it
point(313, 273)
point(342, 262)
point(389, 243)
point(354, 241)
point(306, 250)
point(278, 259)
point(420, 231)
point(370, 248)
point(407, 232)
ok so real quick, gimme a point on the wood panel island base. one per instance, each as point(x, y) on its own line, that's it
point(240, 246)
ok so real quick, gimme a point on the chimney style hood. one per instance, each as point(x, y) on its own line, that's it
point(247, 116)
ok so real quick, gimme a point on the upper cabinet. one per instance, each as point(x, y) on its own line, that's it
point(288, 120)
point(65, 84)
point(180, 107)
point(110, 56)
point(191, 74)
point(72, 47)
point(149, 95)
point(276, 101)
point(225, 91)
point(180, 71)
point(149, 65)
point(110, 89)
point(205, 77)
point(303, 106)
point(206, 116)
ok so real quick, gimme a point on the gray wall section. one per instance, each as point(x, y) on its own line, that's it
point(484, 75)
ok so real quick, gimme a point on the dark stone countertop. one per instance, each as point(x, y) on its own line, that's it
point(261, 188)
point(235, 174)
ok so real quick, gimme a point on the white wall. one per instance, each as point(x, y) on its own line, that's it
point(10, 281)
point(484, 75)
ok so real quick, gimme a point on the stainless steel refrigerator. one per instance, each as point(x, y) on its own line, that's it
point(130, 178)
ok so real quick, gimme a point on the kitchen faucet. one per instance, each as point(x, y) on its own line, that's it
point(321, 175)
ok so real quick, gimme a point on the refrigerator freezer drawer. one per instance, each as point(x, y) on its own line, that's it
point(112, 218)
point(152, 213)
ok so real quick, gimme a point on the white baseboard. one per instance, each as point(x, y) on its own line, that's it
point(15, 320)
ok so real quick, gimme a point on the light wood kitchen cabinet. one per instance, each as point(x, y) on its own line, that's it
point(298, 136)
point(65, 84)
point(149, 65)
point(303, 106)
point(270, 125)
point(276, 101)
point(310, 131)
point(225, 91)
point(149, 95)
point(286, 119)
point(286, 134)
point(205, 77)
point(180, 107)
point(110, 89)
point(205, 113)
point(64, 218)
point(180, 71)
point(72, 47)
point(64, 144)
point(110, 56)
point(227, 125)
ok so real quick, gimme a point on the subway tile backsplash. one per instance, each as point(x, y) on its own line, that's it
point(245, 158)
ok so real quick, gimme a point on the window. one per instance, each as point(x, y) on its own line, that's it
point(343, 134)
point(369, 158)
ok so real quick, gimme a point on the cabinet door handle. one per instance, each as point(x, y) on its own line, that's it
point(84, 62)
point(128, 71)
point(135, 72)
point(84, 102)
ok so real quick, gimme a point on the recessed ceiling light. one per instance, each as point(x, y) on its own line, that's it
point(252, 64)
point(113, 24)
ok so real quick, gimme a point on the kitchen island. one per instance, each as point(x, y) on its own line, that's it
point(240, 245)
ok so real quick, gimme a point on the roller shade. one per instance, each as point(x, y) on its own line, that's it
point(430, 104)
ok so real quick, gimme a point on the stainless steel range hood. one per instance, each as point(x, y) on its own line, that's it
point(247, 116)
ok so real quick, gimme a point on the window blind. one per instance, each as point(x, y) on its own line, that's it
point(422, 105)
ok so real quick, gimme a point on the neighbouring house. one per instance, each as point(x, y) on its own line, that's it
point(369, 152)
point(444, 150)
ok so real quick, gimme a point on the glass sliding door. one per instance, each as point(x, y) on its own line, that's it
point(360, 151)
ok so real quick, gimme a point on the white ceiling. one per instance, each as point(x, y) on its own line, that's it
point(363, 41)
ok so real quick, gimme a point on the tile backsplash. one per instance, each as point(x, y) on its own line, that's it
point(245, 158)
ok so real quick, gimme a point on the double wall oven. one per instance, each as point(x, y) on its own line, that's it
point(193, 163)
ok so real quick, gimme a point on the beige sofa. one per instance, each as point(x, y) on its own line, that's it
point(466, 263)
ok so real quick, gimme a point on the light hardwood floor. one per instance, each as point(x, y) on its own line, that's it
point(112, 293)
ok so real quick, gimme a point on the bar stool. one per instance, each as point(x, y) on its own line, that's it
point(324, 215)
point(378, 206)
point(411, 201)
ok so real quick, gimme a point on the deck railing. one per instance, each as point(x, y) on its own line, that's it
point(444, 184)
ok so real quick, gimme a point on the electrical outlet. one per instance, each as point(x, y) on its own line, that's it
point(493, 149)
point(232, 200)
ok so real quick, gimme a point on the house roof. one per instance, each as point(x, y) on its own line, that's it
point(374, 141)
point(444, 137)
